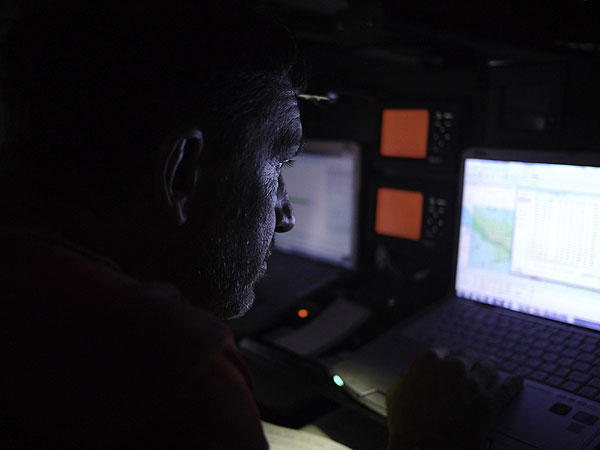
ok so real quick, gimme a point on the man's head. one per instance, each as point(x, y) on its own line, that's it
point(164, 129)
point(228, 234)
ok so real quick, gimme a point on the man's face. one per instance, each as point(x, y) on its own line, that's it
point(230, 235)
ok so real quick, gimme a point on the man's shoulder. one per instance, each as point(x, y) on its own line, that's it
point(92, 347)
point(57, 278)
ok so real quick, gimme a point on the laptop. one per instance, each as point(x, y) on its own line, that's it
point(323, 185)
point(527, 294)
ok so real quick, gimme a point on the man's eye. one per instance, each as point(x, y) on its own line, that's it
point(286, 163)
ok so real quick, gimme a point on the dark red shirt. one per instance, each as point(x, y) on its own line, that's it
point(92, 358)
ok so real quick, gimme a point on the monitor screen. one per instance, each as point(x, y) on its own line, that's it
point(323, 187)
point(530, 238)
point(404, 133)
point(399, 213)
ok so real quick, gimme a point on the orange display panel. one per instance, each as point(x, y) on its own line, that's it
point(404, 133)
point(399, 213)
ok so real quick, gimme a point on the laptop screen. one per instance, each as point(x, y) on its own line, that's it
point(323, 186)
point(529, 238)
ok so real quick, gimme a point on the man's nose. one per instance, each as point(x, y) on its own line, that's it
point(284, 214)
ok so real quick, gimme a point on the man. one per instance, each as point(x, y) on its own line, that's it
point(141, 190)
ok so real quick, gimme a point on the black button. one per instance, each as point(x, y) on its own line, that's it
point(561, 409)
point(575, 427)
point(586, 418)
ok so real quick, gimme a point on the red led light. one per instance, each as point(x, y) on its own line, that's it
point(303, 313)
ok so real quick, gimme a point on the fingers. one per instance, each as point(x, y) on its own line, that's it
point(484, 372)
point(440, 352)
point(467, 356)
point(506, 391)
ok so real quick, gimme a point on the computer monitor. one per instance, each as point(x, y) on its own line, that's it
point(530, 236)
point(323, 186)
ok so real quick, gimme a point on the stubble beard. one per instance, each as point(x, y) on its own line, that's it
point(243, 282)
point(228, 269)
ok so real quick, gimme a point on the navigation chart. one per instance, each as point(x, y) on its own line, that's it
point(491, 237)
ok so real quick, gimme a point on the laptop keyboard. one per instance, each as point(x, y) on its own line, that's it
point(549, 353)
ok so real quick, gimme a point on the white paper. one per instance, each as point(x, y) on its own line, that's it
point(283, 438)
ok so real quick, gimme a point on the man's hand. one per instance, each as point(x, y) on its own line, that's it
point(446, 403)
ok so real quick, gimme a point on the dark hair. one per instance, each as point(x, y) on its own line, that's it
point(90, 90)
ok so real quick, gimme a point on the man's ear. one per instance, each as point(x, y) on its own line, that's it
point(179, 170)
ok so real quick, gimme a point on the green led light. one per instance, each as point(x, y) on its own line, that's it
point(338, 380)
